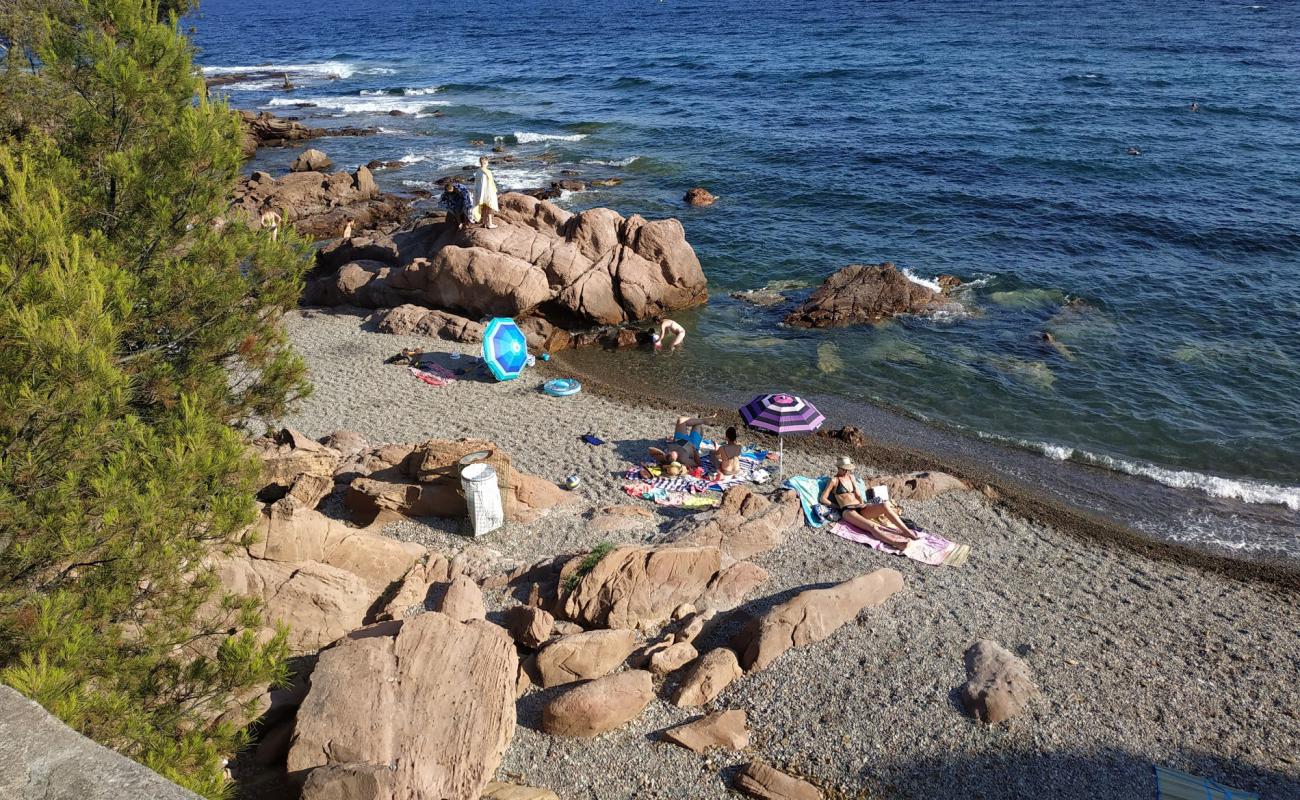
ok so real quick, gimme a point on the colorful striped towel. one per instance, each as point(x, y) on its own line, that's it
point(930, 549)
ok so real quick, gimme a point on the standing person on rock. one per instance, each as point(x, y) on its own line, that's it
point(485, 194)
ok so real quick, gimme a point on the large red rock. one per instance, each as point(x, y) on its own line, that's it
point(765, 783)
point(707, 677)
point(863, 293)
point(289, 458)
point(432, 697)
point(583, 655)
point(812, 615)
point(317, 204)
point(591, 268)
point(408, 320)
point(595, 707)
point(634, 587)
point(745, 524)
point(919, 485)
point(998, 684)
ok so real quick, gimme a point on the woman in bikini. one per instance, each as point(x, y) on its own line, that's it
point(876, 519)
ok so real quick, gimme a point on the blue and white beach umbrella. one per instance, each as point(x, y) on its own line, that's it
point(505, 351)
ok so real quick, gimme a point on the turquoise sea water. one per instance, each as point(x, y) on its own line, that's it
point(986, 142)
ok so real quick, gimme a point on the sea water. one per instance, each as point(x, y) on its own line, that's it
point(987, 141)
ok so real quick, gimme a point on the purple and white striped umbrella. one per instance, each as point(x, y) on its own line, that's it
point(782, 414)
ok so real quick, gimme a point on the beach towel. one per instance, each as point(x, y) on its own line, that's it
point(1174, 785)
point(930, 549)
point(485, 193)
point(433, 374)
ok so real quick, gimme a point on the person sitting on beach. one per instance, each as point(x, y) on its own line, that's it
point(688, 435)
point(674, 468)
point(456, 200)
point(667, 326)
point(485, 193)
point(728, 455)
point(878, 520)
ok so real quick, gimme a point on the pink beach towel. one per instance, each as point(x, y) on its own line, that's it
point(433, 374)
point(930, 549)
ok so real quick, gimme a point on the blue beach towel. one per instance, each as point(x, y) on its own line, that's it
point(1174, 785)
point(810, 492)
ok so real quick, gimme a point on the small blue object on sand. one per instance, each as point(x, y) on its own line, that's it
point(1174, 785)
point(561, 387)
point(592, 439)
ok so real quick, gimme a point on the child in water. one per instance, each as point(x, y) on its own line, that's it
point(667, 326)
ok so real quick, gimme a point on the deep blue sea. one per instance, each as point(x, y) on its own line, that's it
point(987, 141)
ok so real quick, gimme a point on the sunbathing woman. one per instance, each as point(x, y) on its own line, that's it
point(877, 519)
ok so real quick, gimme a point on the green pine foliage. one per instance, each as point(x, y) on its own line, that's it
point(138, 335)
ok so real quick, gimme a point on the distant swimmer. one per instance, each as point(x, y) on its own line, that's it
point(1133, 151)
point(666, 327)
point(1049, 340)
point(1195, 107)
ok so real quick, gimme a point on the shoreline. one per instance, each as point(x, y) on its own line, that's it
point(1021, 500)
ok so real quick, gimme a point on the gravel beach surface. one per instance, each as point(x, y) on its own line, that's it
point(1140, 660)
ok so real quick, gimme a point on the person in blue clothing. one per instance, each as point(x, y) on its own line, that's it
point(688, 435)
point(459, 205)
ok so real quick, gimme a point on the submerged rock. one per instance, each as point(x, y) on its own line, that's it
point(699, 196)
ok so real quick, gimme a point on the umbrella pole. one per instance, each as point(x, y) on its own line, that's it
point(780, 464)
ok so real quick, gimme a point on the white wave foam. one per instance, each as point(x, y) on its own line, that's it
point(326, 69)
point(249, 86)
point(358, 105)
point(526, 137)
point(929, 284)
point(407, 92)
point(413, 158)
point(1245, 490)
point(622, 162)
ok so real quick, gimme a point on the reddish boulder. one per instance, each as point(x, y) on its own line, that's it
point(998, 685)
point(409, 320)
point(599, 706)
point(699, 196)
point(863, 293)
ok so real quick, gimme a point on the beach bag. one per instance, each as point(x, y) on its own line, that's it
point(482, 498)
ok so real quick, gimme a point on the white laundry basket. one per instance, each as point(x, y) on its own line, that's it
point(483, 497)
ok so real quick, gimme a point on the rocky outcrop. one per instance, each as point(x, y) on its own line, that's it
point(463, 601)
point(919, 485)
point(863, 293)
point(432, 697)
point(598, 706)
point(672, 658)
point(529, 626)
point(722, 729)
point(730, 586)
point(293, 463)
point(349, 782)
point(745, 524)
point(998, 684)
point(765, 783)
point(416, 584)
point(812, 615)
point(318, 602)
point(581, 656)
point(265, 129)
point(699, 196)
point(316, 204)
point(707, 677)
point(311, 160)
point(424, 481)
point(588, 269)
point(43, 759)
point(634, 587)
point(413, 320)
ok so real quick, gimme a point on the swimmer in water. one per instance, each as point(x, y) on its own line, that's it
point(667, 326)
point(1133, 151)
point(1195, 107)
point(1050, 341)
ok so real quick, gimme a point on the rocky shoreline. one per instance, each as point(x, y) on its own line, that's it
point(1135, 660)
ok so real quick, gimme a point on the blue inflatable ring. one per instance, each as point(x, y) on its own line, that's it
point(561, 387)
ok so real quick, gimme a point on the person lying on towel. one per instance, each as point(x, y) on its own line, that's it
point(878, 520)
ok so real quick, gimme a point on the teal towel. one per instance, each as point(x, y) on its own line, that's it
point(810, 492)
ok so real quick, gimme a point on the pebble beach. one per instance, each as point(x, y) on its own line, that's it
point(1141, 659)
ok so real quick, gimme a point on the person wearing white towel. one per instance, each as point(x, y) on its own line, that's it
point(485, 194)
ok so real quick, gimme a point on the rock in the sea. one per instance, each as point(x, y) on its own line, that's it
point(599, 706)
point(863, 293)
point(745, 524)
point(639, 586)
point(919, 485)
point(699, 196)
point(264, 129)
point(998, 684)
point(812, 615)
point(311, 160)
point(409, 319)
point(43, 759)
point(583, 655)
point(529, 626)
point(760, 297)
point(765, 783)
point(432, 697)
point(721, 729)
point(707, 677)
point(591, 268)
